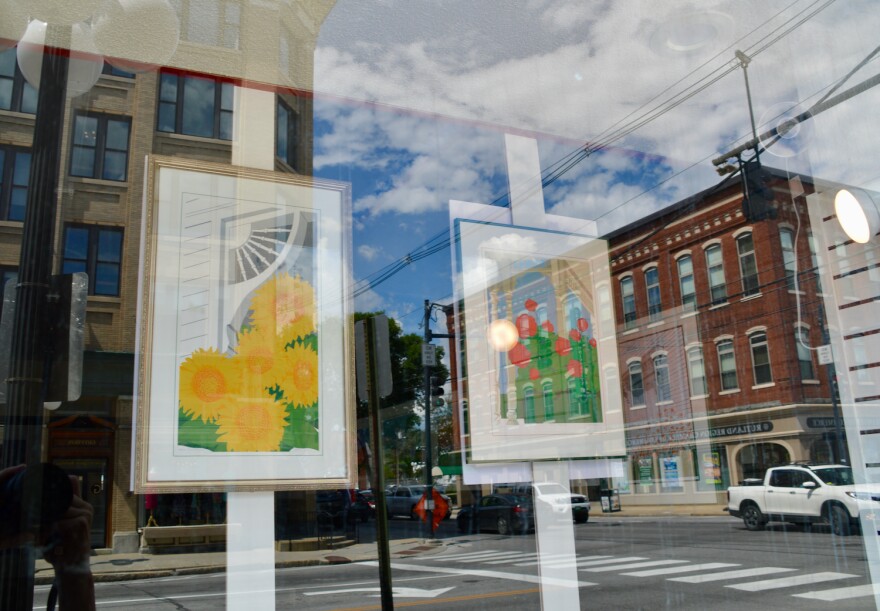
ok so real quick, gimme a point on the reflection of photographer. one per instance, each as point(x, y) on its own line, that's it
point(62, 524)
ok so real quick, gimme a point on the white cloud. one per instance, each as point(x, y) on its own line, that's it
point(369, 253)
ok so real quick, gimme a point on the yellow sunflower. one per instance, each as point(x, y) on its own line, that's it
point(208, 382)
point(252, 425)
point(259, 355)
point(299, 378)
point(285, 305)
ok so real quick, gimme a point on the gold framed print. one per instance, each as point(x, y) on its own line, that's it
point(243, 358)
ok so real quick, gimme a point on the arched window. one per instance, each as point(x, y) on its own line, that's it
point(727, 364)
point(715, 267)
point(628, 299)
point(661, 378)
point(547, 393)
point(696, 371)
point(636, 385)
point(748, 265)
point(760, 358)
point(652, 287)
point(686, 283)
point(786, 238)
point(529, 403)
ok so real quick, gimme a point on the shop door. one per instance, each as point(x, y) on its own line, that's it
point(94, 479)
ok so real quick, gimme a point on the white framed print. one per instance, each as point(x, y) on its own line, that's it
point(540, 347)
point(244, 356)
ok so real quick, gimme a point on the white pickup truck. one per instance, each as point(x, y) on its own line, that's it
point(805, 494)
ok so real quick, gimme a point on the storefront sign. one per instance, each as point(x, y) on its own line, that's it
point(710, 462)
point(646, 470)
point(823, 423)
point(670, 471)
point(661, 438)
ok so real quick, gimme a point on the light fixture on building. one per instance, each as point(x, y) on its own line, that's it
point(503, 334)
point(857, 214)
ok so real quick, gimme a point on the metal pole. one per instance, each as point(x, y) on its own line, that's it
point(378, 473)
point(831, 372)
point(429, 480)
point(24, 415)
point(744, 62)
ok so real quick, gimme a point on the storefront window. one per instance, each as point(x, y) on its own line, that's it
point(514, 290)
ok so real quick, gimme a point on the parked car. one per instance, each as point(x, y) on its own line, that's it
point(402, 501)
point(505, 513)
point(805, 494)
point(558, 497)
point(337, 506)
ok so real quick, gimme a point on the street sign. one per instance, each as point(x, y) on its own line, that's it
point(825, 356)
point(380, 357)
point(429, 355)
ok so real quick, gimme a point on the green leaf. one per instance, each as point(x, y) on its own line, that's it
point(301, 431)
point(196, 433)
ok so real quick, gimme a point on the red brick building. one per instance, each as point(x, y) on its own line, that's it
point(717, 329)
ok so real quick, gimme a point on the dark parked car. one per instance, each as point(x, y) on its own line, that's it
point(336, 506)
point(505, 513)
point(402, 501)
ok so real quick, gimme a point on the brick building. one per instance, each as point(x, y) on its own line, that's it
point(718, 318)
point(188, 109)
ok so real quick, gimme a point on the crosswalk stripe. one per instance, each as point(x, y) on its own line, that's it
point(467, 555)
point(610, 560)
point(681, 569)
point(581, 561)
point(532, 559)
point(870, 589)
point(499, 555)
point(637, 565)
point(764, 570)
point(787, 582)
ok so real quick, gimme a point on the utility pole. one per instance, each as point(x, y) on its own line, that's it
point(428, 361)
point(30, 338)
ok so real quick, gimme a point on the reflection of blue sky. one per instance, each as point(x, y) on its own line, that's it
point(423, 76)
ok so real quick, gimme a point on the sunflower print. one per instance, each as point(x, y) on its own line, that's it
point(285, 306)
point(208, 382)
point(252, 425)
point(299, 380)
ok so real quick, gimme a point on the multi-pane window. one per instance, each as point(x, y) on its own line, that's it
point(661, 378)
point(195, 106)
point(696, 371)
point(636, 385)
point(652, 287)
point(786, 238)
point(100, 146)
point(628, 299)
point(686, 283)
point(97, 251)
point(16, 94)
point(577, 401)
point(285, 134)
point(547, 394)
point(572, 311)
point(804, 354)
point(748, 264)
point(727, 365)
point(760, 357)
point(715, 266)
point(15, 167)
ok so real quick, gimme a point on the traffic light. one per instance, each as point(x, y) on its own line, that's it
point(437, 390)
point(758, 198)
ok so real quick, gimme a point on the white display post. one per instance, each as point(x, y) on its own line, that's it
point(250, 516)
point(554, 531)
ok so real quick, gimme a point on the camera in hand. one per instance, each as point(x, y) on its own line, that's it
point(52, 498)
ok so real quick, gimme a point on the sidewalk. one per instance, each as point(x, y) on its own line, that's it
point(126, 567)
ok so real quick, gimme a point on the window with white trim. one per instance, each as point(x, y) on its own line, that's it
point(786, 239)
point(636, 384)
point(727, 365)
point(652, 287)
point(804, 354)
point(686, 283)
point(748, 264)
point(760, 358)
point(661, 378)
point(628, 299)
point(715, 267)
point(696, 371)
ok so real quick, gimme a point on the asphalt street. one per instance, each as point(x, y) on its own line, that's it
point(677, 563)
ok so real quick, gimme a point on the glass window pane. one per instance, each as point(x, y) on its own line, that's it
point(106, 279)
point(17, 204)
point(76, 243)
point(281, 133)
point(225, 126)
point(114, 166)
point(5, 94)
point(72, 267)
point(198, 107)
point(28, 99)
point(109, 246)
point(167, 117)
point(227, 96)
point(2, 165)
point(85, 130)
point(117, 135)
point(7, 63)
point(168, 88)
point(82, 161)
point(22, 170)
